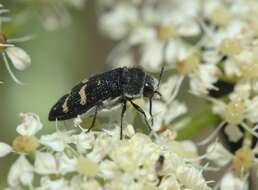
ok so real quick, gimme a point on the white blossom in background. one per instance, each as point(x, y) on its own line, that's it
point(55, 14)
point(152, 26)
point(241, 163)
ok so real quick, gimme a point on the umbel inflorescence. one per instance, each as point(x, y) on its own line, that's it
point(100, 160)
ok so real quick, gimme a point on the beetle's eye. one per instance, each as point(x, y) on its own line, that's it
point(148, 90)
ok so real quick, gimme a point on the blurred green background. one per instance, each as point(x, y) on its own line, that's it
point(60, 59)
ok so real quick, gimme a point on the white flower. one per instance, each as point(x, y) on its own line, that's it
point(121, 18)
point(66, 164)
point(108, 169)
point(4, 149)
point(234, 113)
point(19, 58)
point(83, 141)
point(251, 109)
point(154, 54)
point(56, 141)
point(170, 183)
point(242, 91)
point(141, 35)
point(48, 184)
point(234, 133)
point(21, 172)
point(203, 79)
point(30, 125)
point(92, 184)
point(168, 87)
point(45, 163)
point(232, 182)
point(191, 178)
point(166, 113)
point(218, 154)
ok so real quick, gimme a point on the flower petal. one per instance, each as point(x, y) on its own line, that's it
point(31, 124)
point(19, 58)
point(231, 182)
point(45, 163)
point(218, 154)
point(21, 172)
point(4, 149)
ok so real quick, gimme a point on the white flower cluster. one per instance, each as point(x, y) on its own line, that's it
point(214, 44)
point(100, 160)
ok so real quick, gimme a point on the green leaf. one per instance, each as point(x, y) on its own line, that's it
point(197, 123)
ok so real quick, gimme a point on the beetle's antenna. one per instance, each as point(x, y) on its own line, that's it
point(161, 74)
point(163, 63)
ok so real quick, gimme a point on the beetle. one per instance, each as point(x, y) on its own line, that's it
point(117, 86)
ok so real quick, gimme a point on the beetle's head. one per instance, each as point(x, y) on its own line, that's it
point(150, 87)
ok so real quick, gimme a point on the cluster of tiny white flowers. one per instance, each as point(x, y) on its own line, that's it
point(208, 42)
point(100, 160)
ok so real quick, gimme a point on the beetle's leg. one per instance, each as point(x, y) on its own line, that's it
point(94, 119)
point(150, 110)
point(139, 109)
point(122, 116)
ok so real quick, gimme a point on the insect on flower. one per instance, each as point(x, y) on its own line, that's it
point(106, 90)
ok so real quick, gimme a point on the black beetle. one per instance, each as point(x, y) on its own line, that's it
point(104, 90)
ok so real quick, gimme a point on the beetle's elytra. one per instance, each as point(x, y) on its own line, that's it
point(109, 88)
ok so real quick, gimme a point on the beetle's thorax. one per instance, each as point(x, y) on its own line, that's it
point(132, 81)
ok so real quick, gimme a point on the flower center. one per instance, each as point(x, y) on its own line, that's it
point(234, 113)
point(249, 68)
point(188, 65)
point(230, 46)
point(243, 160)
point(165, 33)
point(220, 16)
point(25, 144)
point(87, 167)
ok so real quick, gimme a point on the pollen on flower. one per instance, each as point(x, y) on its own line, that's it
point(87, 167)
point(25, 144)
point(230, 46)
point(220, 16)
point(243, 160)
point(189, 65)
point(249, 68)
point(234, 113)
point(165, 33)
